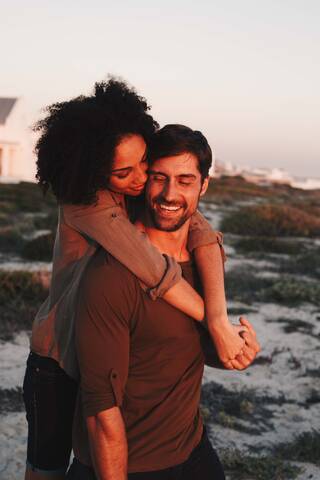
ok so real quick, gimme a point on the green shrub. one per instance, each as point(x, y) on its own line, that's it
point(16, 316)
point(10, 239)
point(304, 448)
point(40, 248)
point(305, 264)
point(244, 286)
point(49, 222)
point(11, 400)
point(26, 197)
point(240, 466)
point(271, 221)
point(21, 294)
point(268, 244)
point(20, 286)
point(289, 291)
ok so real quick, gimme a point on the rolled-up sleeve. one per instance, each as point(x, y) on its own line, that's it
point(106, 306)
point(109, 226)
point(201, 233)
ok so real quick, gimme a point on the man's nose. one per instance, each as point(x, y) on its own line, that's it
point(169, 192)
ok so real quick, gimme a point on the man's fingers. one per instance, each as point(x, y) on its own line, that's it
point(249, 354)
point(238, 363)
point(228, 365)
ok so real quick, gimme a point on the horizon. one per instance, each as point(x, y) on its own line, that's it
point(245, 75)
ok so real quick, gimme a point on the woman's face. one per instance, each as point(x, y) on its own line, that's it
point(129, 170)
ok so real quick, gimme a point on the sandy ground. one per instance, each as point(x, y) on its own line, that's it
point(288, 359)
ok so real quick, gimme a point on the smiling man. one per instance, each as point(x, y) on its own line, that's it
point(141, 361)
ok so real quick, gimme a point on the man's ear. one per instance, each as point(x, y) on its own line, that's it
point(204, 186)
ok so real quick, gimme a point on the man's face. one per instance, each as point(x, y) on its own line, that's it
point(173, 190)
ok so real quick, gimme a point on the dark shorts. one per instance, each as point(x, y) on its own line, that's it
point(203, 464)
point(49, 395)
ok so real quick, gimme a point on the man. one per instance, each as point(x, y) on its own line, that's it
point(141, 361)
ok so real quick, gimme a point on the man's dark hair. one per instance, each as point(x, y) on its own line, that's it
point(176, 139)
point(78, 137)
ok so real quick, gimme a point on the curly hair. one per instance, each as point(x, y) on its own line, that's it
point(78, 138)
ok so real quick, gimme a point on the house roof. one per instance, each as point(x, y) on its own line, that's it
point(6, 105)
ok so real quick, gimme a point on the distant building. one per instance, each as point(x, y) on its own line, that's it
point(264, 176)
point(16, 157)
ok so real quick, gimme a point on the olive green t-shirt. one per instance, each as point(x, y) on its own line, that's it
point(142, 355)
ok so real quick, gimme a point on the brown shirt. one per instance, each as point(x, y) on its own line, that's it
point(81, 229)
point(142, 355)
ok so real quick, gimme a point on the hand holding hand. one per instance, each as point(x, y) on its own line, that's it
point(250, 349)
point(228, 342)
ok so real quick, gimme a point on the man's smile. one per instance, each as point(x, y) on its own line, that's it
point(166, 210)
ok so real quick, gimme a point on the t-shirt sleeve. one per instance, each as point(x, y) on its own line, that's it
point(107, 302)
point(110, 227)
point(201, 233)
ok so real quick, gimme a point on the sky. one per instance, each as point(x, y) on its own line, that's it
point(246, 73)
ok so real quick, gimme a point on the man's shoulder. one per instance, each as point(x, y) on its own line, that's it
point(105, 272)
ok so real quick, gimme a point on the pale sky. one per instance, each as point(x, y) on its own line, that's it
point(244, 72)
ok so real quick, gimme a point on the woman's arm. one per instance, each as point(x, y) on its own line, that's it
point(108, 225)
point(210, 257)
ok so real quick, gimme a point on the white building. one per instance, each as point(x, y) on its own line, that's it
point(16, 158)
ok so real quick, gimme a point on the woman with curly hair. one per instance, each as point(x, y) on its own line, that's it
point(92, 154)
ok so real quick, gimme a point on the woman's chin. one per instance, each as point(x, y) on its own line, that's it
point(134, 193)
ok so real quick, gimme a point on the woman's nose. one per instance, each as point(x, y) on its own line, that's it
point(142, 173)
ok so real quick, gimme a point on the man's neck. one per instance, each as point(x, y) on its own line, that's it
point(173, 244)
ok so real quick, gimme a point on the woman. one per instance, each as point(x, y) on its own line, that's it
point(92, 153)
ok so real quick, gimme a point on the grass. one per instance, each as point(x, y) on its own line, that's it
point(276, 465)
point(271, 220)
point(25, 197)
point(240, 466)
point(40, 248)
point(226, 190)
point(307, 263)
point(11, 400)
point(20, 297)
point(11, 239)
point(241, 311)
point(294, 325)
point(268, 245)
point(304, 448)
point(20, 206)
point(243, 286)
point(48, 222)
point(243, 410)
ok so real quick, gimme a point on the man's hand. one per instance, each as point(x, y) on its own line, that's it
point(250, 349)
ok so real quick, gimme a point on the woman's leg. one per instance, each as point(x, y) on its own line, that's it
point(49, 396)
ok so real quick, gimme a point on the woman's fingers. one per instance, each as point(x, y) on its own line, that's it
point(245, 322)
point(240, 328)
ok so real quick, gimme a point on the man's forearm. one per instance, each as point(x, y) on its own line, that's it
point(108, 444)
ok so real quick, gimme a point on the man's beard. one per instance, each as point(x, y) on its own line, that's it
point(168, 224)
